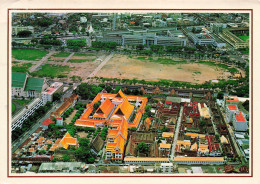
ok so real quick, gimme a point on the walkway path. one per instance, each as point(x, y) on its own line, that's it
point(100, 66)
point(68, 58)
point(176, 133)
point(41, 61)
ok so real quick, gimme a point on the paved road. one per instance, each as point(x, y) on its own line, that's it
point(68, 58)
point(100, 66)
point(27, 134)
point(176, 133)
point(41, 61)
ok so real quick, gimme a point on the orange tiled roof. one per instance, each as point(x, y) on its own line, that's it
point(120, 94)
point(68, 140)
point(240, 117)
point(31, 150)
point(124, 109)
point(166, 146)
point(65, 105)
point(49, 142)
point(199, 159)
point(84, 123)
point(167, 134)
point(185, 143)
point(194, 147)
point(104, 109)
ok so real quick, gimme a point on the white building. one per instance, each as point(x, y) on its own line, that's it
point(230, 110)
point(17, 120)
point(166, 167)
point(239, 122)
point(54, 88)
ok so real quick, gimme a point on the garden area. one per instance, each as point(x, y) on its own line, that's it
point(28, 54)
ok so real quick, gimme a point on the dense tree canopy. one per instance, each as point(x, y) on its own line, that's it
point(25, 33)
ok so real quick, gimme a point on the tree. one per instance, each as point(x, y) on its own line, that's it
point(220, 95)
point(34, 40)
point(246, 105)
point(42, 152)
point(91, 160)
point(142, 147)
point(202, 123)
point(65, 158)
point(24, 33)
point(57, 96)
point(139, 47)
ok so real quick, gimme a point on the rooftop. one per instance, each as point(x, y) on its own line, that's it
point(240, 117)
point(34, 84)
point(18, 79)
point(47, 121)
point(232, 107)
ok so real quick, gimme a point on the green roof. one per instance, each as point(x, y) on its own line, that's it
point(34, 84)
point(18, 79)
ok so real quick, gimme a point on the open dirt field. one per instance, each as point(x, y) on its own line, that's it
point(82, 134)
point(121, 66)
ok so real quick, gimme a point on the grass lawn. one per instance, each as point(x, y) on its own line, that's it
point(83, 54)
point(231, 70)
point(161, 60)
point(61, 54)
point(22, 68)
point(244, 38)
point(28, 54)
point(22, 102)
point(52, 71)
point(78, 60)
point(13, 107)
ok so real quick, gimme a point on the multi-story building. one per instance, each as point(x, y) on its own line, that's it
point(239, 122)
point(166, 167)
point(160, 36)
point(18, 119)
point(47, 95)
point(199, 160)
point(230, 110)
point(233, 40)
point(25, 86)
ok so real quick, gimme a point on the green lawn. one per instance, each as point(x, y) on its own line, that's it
point(78, 60)
point(231, 70)
point(244, 38)
point(52, 71)
point(22, 102)
point(83, 54)
point(161, 60)
point(61, 54)
point(13, 107)
point(28, 54)
point(23, 68)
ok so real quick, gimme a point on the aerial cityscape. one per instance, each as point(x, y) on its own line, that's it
point(127, 92)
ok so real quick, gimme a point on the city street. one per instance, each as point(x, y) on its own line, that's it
point(176, 133)
point(27, 134)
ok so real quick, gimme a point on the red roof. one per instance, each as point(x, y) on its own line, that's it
point(47, 121)
point(59, 118)
point(232, 107)
point(240, 117)
point(168, 102)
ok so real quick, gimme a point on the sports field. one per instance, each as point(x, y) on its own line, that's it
point(121, 66)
